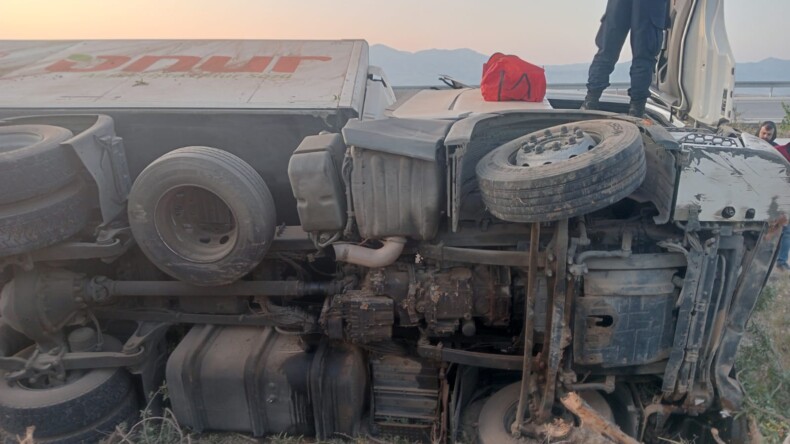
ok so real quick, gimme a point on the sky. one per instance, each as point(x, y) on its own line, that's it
point(546, 32)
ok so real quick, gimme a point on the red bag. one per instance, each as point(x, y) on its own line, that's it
point(507, 77)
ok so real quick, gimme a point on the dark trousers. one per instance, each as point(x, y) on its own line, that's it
point(645, 19)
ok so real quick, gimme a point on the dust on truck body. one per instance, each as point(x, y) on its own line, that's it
point(259, 226)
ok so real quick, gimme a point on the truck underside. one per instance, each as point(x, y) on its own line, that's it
point(505, 277)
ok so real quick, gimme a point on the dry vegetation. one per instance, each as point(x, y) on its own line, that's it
point(764, 360)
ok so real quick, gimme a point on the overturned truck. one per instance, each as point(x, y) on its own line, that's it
point(260, 227)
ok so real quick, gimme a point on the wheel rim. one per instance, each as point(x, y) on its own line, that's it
point(14, 141)
point(554, 146)
point(196, 224)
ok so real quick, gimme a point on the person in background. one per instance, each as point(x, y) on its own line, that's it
point(646, 20)
point(767, 132)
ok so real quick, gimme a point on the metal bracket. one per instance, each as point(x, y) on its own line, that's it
point(110, 244)
point(46, 362)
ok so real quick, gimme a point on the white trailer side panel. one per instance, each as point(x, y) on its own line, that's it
point(238, 74)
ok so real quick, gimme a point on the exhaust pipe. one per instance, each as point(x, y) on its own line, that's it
point(369, 257)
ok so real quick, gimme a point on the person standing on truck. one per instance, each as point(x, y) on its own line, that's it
point(767, 132)
point(646, 20)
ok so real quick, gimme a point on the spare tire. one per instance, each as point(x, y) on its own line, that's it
point(202, 215)
point(43, 221)
point(563, 171)
point(33, 162)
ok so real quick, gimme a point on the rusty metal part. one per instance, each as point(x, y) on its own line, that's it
point(473, 359)
point(439, 433)
point(444, 300)
point(359, 316)
point(529, 320)
point(479, 256)
point(591, 419)
point(662, 411)
point(555, 323)
point(167, 316)
point(239, 288)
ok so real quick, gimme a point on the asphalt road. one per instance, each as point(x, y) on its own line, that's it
point(758, 109)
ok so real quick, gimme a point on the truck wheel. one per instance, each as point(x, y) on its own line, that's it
point(563, 171)
point(86, 403)
point(33, 162)
point(125, 412)
point(202, 215)
point(43, 221)
point(499, 412)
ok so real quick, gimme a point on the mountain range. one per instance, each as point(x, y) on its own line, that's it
point(423, 68)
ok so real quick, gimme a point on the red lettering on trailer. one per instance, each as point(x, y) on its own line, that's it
point(220, 64)
point(110, 62)
point(290, 63)
point(182, 64)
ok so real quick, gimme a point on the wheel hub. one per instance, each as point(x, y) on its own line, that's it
point(554, 146)
point(196, 224)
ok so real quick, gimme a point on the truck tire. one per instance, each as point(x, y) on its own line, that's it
point(202, 215)
point(43, 221)
point(611, 166)
point(499, 412)
point(125, 412)
point(76, 407)
point(33, 162)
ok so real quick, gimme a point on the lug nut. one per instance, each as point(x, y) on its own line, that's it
point(572, 140)
point(539, 149)
point(557, 146)
point(547, 133)
point(533, 138)
point(564, 130)
point(579, 133)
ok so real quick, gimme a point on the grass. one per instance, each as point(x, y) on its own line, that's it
point(763, 361)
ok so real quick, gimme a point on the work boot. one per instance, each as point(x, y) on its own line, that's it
point(637, 108)
point(591, 102)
